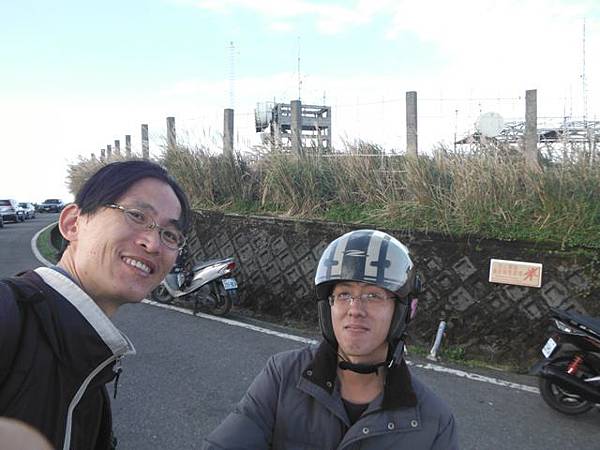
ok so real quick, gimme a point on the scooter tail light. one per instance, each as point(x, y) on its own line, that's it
point(231, 266)
point(574, 365)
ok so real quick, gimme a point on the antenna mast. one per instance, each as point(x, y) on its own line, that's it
point(231, 75)
point(583, 81)
point(299, 77)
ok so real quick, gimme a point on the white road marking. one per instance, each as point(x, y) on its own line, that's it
point(234, 323)
point(292, 337)
point(475, 377)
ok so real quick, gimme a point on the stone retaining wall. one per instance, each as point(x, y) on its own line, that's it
point(494, 322)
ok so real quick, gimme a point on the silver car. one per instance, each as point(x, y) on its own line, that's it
point(28, 209)
point(52, 205)
point(10, 211)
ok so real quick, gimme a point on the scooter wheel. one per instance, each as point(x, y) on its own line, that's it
point(559, 398)
point(161, 295)
point(222, 304)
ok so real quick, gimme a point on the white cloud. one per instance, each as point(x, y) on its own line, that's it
point(281, 26)
point(484, 45)
point(330, 18)
point(212, 5)
point(508, 32)
point(491, 48)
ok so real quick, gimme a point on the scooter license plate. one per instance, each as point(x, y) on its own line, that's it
point(549, 348)
point(229, 283)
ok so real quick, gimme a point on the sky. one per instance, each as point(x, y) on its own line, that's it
point(75, 76)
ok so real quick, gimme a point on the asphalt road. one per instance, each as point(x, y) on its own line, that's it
point(15, 244)
point(190, 371)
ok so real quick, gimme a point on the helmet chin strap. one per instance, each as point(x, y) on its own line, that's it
point(365, 369)
point(361, 368)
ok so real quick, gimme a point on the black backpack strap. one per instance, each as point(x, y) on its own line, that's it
point(10, 328)
point(26, 286)
point(15, 292)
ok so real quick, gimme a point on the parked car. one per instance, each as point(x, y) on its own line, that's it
point(52, 205)
point(10, 211)
point(21, 213)
point(29, 210)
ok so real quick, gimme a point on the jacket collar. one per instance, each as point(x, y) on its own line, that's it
point(117, 342)
point(398, 389)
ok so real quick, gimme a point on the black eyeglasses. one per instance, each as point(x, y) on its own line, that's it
point(171, 237)
point(344, 299)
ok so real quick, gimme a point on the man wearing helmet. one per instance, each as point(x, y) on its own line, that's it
point(354, 390)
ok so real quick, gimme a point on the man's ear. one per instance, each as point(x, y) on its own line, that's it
point(68, 222)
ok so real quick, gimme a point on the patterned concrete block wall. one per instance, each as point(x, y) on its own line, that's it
point(499, 323)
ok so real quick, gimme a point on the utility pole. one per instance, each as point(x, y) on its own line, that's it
point(531, 137)
point(171, 135)
point(412, 144)
point(145, 142)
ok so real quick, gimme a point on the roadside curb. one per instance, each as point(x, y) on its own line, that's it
point(34, 249)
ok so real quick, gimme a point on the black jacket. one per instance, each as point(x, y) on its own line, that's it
point(57, 352)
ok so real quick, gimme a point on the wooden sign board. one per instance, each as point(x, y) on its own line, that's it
point(516, 272)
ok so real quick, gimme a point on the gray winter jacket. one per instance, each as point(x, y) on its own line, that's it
point(295, 403)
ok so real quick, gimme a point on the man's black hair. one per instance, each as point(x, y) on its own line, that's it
point(112, 181)
point(109, 183)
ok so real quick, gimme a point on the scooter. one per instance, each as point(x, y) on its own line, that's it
point(570, 370)
point(209, 284)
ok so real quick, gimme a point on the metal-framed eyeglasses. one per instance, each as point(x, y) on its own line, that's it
point(344, 299)
point(171, 237)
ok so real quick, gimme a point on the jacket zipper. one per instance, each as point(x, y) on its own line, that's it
point(77, 398)
point(117, 369)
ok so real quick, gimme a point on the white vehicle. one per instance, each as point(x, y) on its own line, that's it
point(209, 284)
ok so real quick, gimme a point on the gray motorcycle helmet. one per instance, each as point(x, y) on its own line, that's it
point(372, 257)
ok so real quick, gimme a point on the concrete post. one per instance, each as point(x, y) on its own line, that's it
point(108, 152)
point(128, 146)
point(171, 135)
point(411, 124)
point(102, 154)
point(531, 137)
point(145, 143)
point(92, 156)
point(117, 147)
point(228, 133)
point(592, 144)
point(276, 136)
point(438, 341)
point(296, 126)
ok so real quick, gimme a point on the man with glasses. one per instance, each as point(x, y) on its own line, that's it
point(59, 346)
point(354, 390)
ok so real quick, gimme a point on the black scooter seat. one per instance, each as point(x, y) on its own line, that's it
point(590, 323)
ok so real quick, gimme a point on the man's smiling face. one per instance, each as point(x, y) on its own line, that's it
point(361, 329)
point(113, 261)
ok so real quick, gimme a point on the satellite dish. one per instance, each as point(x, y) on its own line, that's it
point(490, 124)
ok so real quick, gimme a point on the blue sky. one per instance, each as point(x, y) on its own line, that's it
point(75, 76)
